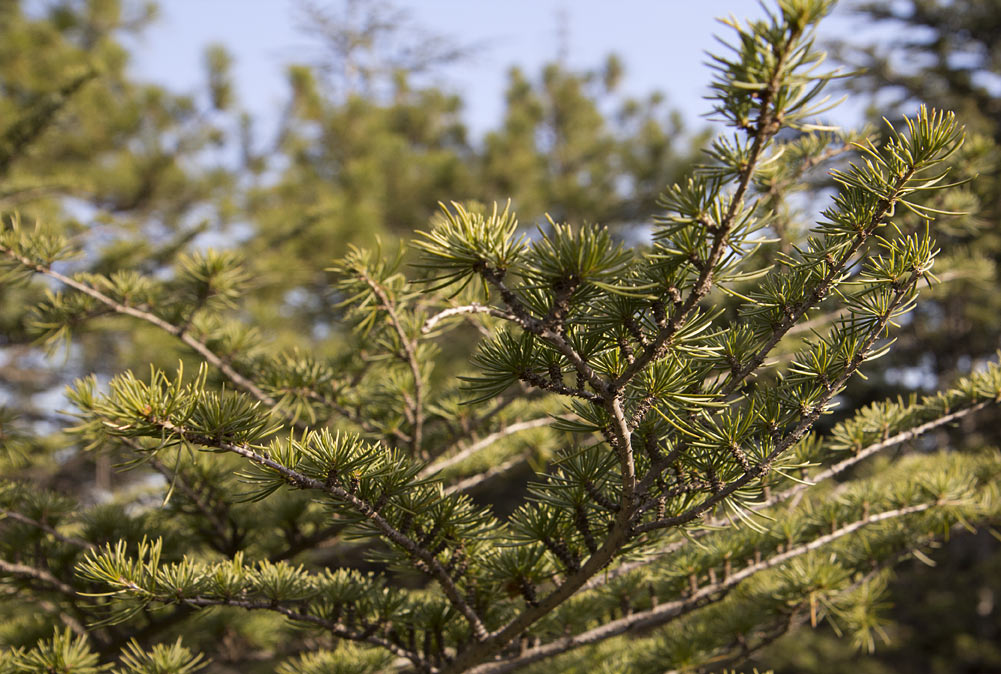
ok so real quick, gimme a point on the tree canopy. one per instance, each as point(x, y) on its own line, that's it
point(638, 429)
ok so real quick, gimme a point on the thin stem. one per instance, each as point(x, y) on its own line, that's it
point(482, 444)
point(474, 481)
point(410, 356)
point(473, 308)
point(521, 315)
point(336, 628)
point(865, 453)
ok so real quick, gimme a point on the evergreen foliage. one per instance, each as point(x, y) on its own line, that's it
point(695, 495)
point(939, 52)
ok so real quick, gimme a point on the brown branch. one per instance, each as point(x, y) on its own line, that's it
point(785, 495)
point(863, 454)
point(768, 124)
point(25, 571)
point(622, 526)
point(62, 538)
point(336, 628)
point(523, 317)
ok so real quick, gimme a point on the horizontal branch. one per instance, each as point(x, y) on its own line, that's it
point(336, 628)
point(473, 308)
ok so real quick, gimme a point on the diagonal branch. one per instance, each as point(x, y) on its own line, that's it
point(475, 480)
point(62, 538)
point(666, 612)
point(177, 331)
point(483, 443)
point(820, 290)
point(865, 453)
point(520, 315)
point(25, 571)
point(801, 428)
point(785, 495)
point(432, 566)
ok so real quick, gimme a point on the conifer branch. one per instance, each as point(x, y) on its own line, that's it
point(787, 494)
point(409, 356)
point(474, 481)
point(821, 289)
point(427, 561)
point(41, 575)
point(336, 628)
point(801, 428)
point(473, 308)
point(196, 345)
point(523, 317)
point(485, 442)
point(707, 594)
point(865, 453)
point(768, 124)
point(62, 538)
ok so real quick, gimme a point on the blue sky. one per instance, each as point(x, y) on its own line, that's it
point(661, 42)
